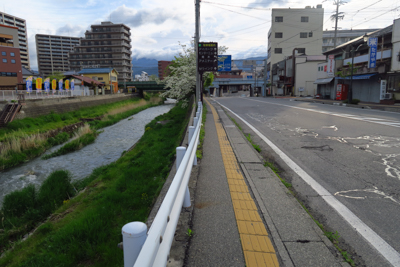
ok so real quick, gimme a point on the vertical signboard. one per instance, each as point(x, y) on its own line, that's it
point(72, 84)
point(383, 89)
point(331, 66)
point(224, 63)
point(208, 57)
point(373, 44)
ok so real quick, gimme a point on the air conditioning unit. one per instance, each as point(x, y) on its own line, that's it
point(388, 96)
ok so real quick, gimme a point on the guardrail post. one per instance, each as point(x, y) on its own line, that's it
point(195, 121)
point(133, 237)
point(180, 153)
point(191, 133)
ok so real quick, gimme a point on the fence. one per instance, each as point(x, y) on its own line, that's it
point(13, 95)
point(152, 249)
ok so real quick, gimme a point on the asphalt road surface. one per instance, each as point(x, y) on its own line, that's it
point(343, 163)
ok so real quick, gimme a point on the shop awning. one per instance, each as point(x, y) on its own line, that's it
point(358, 77)
point(323, 81)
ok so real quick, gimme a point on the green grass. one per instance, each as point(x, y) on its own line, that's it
point(74, 145)
point(256, 147)
point(20, 129)
point(199, 151)
point(88, 227)
point(23, 209)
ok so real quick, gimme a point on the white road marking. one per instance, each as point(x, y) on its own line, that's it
point(348, 116)
point(330, 127)
point(375, 191)
point(375, 241)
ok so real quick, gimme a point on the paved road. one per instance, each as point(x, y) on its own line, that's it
point(354, 154)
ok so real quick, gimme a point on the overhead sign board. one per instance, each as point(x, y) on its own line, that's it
point(373, 48)
point(208, 57)
point(224, 63)
point(331, 66)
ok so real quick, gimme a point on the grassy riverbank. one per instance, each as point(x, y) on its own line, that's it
point(26, 139)
point(85, 231)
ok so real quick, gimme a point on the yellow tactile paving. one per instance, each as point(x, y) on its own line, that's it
point(257, 247)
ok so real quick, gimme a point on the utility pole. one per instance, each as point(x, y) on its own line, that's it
point(196, 45)
point(337, 16)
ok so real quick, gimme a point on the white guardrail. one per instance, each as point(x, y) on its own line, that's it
point(143, 249)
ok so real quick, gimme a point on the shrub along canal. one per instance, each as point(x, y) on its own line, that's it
point(108, 147)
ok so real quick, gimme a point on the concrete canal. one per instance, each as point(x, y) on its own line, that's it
point(108, 147)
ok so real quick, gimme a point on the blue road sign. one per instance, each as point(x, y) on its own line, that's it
point(224, 63)
point(373, 44)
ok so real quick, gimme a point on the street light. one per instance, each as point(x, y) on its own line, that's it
point(365, 39)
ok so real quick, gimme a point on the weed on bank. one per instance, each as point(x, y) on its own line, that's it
point(86, 230)
point(17, 146)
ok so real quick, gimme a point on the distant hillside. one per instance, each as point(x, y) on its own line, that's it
point(145, 64)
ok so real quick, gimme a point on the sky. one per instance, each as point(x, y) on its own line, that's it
point(158, 27)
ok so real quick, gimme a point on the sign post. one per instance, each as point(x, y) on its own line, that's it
point(224, 63)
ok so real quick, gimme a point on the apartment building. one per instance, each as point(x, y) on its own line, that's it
point(10, 20)
point(291, 28)
point(52, 52)
point(342, 36)
point(162, 68)
point(106, 45)
point(10, 59)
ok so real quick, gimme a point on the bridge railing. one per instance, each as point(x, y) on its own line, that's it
point(143, 249)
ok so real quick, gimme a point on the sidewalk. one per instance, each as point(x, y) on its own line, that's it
point(392, 108)
point(243, 215)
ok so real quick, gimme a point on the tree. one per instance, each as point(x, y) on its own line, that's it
point(153, 77)
point(181, 80)
point(56, 75)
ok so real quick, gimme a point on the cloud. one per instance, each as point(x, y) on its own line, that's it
point(69, 30)
point(135, 18)
point(166, 53)
point(267, 3)
point(258, 51)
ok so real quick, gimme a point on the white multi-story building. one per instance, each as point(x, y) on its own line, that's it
point(295, 28)
point(143, 77)
point(10, 20)
point(342, 36)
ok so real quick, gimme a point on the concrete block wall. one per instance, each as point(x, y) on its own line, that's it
point(38, 107)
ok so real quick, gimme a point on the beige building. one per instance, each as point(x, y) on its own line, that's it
point(291, 28)
point(52, 52)
point(13, 21)
point(106, 45)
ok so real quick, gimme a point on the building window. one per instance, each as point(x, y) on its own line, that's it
point(278, 19)
point(304, 19)
point(13, 61)
point(278, 50)
point(310, 34)
point(4, 60)
point(301, 50)
point(100, 79)
point(4, 53)
point(303, 35)
point(278, 35)
point(12, 54)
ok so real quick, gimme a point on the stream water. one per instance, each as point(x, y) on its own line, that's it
point(107, 148)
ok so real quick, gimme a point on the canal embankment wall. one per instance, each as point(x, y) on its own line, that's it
point(37, 107)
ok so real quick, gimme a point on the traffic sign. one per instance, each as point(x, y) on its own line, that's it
point(208, 57)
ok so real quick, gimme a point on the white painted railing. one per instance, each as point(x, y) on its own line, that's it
point(12, 95)
point(141, 250)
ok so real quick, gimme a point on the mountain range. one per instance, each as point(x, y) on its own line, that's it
point(151, 65)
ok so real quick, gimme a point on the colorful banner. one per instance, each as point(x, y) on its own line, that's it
point(66, 84)
point(39, 82)
point(72, 84)
point(47, 84)
point(29, 84)
point(54, 84)
point(60, 85)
